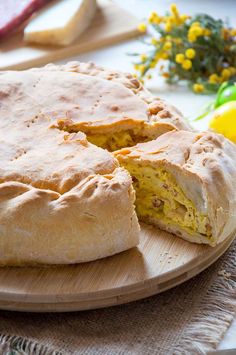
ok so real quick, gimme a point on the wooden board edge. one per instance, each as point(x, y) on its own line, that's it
point(150, 288)
point(38, 62)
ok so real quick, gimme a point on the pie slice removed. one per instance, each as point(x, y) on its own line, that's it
point(185, 184)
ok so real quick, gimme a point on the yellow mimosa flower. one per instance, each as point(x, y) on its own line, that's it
point(142, 27)
point(184, 17)
point(196, 30)
point(190, 53)
point(168, 26)
point(192, 37)
point(213, 79)
point(164, 55)
point(152, 16)
point(174, 9)
point(225, 33)
point(195, 24)
point(179, 58)
point(233, 32)
point(198, 88)
point(225, 74)
point(187, 64)
point(167, 46)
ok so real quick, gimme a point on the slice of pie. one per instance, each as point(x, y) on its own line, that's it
point(111, 108)
point(185, 184)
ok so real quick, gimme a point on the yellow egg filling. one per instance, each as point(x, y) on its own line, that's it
point(158, 197)
point(117, 140)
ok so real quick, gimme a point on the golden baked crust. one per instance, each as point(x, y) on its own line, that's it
point(62, 199)
point(192, 192)
point(158, 110)
point(119, 113)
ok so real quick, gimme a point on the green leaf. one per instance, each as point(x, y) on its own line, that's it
point(208, 108)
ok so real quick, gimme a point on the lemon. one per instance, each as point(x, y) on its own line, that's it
point(223, 120)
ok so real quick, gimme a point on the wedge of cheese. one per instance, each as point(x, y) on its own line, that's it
point(61, 22)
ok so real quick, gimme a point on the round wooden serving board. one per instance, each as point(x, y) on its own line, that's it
point(160, 262)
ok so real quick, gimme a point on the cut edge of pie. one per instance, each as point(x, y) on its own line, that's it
point(184, 184)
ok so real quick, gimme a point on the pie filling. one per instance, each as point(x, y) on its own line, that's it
point(122, 138)
point(158, 197)
point(110, 141)
point(117, 140)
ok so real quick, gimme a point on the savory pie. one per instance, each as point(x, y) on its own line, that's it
point(64, 200)
point(185, 184)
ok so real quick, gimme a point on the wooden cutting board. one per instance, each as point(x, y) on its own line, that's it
point(111, 24)
point(160, 262)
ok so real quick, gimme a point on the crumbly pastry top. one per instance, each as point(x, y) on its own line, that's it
point(98, 100)
point(88, 101)
point(158, 109)
point(34, 152)
point(91, 69)
point(50, 159)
